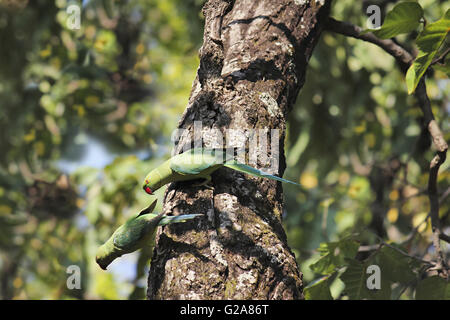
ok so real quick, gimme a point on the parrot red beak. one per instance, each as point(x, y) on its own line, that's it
point(148, 190)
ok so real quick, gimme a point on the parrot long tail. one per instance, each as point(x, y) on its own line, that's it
point(255, 172)
point(176, 219)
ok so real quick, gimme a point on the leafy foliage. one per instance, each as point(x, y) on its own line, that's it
point(406, 17)
point(334, 254)
point(433, 288)
point(85, 113)
point(318, 290)
point(72, 102)
point(355, 279)
point(429, 41)
point(355, 110)
point(403, 18)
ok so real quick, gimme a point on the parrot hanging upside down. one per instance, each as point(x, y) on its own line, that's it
point(135, 233)
point(198, 164)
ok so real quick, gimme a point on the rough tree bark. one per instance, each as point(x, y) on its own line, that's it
point(252, 66)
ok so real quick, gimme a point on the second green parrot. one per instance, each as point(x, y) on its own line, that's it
point(134, 234)
point(197, 164)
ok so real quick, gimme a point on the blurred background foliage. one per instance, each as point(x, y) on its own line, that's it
point(84, 114)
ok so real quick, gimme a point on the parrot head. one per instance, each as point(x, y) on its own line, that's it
point(147, 188)
point(105, 256)
point(152, 182)
point(158, 177)
point(120, 241)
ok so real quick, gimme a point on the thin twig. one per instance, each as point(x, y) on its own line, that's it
point(444, 195)
point(369, 248)
point(444, 237)
point(417, 194)
point(441, 58)
point(403, 252)
point(324, 223)
point(439, 158)
point(413, 233)
point(416, 229)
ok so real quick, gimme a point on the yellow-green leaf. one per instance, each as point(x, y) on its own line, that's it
point(318, 290)
point(429, 41)
point(404, 18)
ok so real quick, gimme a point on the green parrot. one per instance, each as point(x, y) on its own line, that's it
point(135, 233)
point(198, 164)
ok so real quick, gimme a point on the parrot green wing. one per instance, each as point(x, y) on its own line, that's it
point(255, 172)
point(196, 161)
point(204, 161)
point(149, 209)
point(145, 211)
point(128, 236)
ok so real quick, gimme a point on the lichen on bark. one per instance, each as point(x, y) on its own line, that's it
point(252, 65)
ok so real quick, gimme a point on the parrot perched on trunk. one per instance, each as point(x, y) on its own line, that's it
point(135, 233)
point(198, 164)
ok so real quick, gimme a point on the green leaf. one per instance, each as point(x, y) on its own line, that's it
point(417, 70)
point(433, 288)
point(355, 280)
point(433, 35)
point(334, 255)
point(404, 18)
point(318, 290)
point(395, 266)
point(429, 41)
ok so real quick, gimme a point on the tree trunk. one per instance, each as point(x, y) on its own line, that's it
point(252, 66)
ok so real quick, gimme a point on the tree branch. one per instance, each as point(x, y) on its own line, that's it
point(383, 243)
point(444, 237)
point(404, 60)
point(401, 55)
point(441, 58)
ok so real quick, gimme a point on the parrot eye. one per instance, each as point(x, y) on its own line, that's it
point(148, 190)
